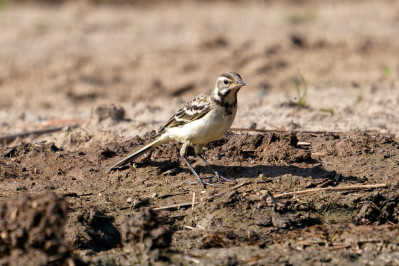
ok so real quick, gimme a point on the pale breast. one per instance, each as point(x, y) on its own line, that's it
point(206, 129)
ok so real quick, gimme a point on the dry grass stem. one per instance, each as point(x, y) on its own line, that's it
point(357, 187)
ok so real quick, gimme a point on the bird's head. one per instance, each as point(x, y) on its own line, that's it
point(229, 82)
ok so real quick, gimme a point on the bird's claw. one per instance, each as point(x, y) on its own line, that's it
point(221, 178)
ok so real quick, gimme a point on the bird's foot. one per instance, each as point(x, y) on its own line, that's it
point(221, 178)
point(203, 183)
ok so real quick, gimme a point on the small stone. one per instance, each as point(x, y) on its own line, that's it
point(102, 112)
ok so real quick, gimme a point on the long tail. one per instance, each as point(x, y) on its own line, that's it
point(137, 153)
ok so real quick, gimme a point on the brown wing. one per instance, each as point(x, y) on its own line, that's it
point(192, 111)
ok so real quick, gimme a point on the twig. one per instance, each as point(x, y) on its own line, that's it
point(357, 187)
point(303, 143)
point(9, 138)
point(174, 206)
point(339, 246)
point(193, 201)
point(310, 243)
point(373, 240)
point(189, 227)
point(240, 185)
point(54, 122)
point(267, 143)
point(199, 227)
point(379, 209)
point(197, 261)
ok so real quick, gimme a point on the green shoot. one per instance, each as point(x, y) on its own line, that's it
point(262, 177)
point(359, 97)
point(3, 4)
point(301, 88)
point(386, 71)
point(329, 110)
point(301, 16)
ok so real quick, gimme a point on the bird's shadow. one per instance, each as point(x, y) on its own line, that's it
point(269, 171)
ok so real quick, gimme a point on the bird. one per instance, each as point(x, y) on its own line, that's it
point(205, 118)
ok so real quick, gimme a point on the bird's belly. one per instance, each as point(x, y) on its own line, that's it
point(209, 128)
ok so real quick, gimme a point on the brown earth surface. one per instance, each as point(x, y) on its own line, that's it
point(312, 185)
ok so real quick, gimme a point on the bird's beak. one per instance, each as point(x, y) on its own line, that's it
point(241, 83)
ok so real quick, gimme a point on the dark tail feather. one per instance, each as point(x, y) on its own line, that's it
point(137, 153)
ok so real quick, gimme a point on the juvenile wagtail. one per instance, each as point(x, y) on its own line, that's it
point(202, 120)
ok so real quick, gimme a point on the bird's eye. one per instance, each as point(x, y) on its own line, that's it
point(225, 81)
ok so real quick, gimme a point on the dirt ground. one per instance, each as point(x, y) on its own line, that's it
point(314, 184)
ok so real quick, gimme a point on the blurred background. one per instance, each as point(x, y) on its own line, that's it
point(309, 65)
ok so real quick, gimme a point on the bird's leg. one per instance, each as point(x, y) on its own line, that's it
point(183, 156)
point(198, 149)
point(194, 172)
